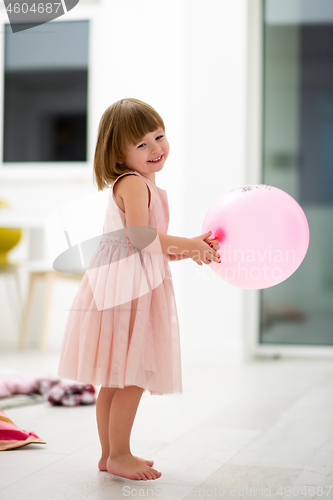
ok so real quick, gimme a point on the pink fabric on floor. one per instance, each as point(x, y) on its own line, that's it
point(19, 384)
point(54, 390)
point(71, 395)
point(12, 436)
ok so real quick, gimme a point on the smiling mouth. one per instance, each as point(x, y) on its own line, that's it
point(157, 160)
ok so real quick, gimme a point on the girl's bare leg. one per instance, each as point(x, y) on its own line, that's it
point(121, 462)
point(103, 406)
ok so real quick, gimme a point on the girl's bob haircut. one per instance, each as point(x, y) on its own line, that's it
point(123, 123)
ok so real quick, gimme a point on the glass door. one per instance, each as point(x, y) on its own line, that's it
point(297, 157)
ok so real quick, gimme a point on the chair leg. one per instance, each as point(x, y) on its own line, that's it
point(8, 289)
point(19, 297)
point(10, 295)
point(27, 310)
point(47, 309)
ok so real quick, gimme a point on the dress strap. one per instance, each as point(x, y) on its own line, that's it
point(139, 175)
point(122, 175)
point(113, 196)
point(114, 183)
point(129, 248)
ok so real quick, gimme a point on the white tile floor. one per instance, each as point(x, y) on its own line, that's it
point(236, 429)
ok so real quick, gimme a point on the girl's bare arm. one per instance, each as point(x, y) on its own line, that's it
point(179, 256)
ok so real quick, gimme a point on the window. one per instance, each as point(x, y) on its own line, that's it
point(45, 93)
point(298, 158)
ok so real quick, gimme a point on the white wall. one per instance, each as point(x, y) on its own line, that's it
point(214, 130)
point(188, 60)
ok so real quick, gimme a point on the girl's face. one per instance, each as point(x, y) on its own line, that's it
point(153, 146)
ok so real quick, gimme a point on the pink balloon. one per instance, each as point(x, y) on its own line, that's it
point(263, 235)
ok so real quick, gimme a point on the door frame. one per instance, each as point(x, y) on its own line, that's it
point(254, 121)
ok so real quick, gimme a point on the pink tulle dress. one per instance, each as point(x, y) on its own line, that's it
point(122, 328)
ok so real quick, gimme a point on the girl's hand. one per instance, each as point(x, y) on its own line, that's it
point(204, 250)
point(213, 243)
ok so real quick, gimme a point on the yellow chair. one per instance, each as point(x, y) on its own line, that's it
point(9, 238)
point(80, 220)
point(41, 270)
point(38, 269)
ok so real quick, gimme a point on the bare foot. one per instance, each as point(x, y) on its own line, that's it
point(131, 467)
point(102, 463)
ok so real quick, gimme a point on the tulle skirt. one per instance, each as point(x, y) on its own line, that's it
point(122, 328)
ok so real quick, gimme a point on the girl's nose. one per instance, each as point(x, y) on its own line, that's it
point(156, 153)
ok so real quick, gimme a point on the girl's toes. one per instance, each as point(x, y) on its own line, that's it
point(148, 462)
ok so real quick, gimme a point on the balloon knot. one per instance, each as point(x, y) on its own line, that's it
point(220, 234)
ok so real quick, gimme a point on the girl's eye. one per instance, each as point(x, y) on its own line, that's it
point(156, 138)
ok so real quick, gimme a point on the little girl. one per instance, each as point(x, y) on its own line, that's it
point(132, 345)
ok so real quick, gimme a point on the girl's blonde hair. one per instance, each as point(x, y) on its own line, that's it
point(123, 123)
